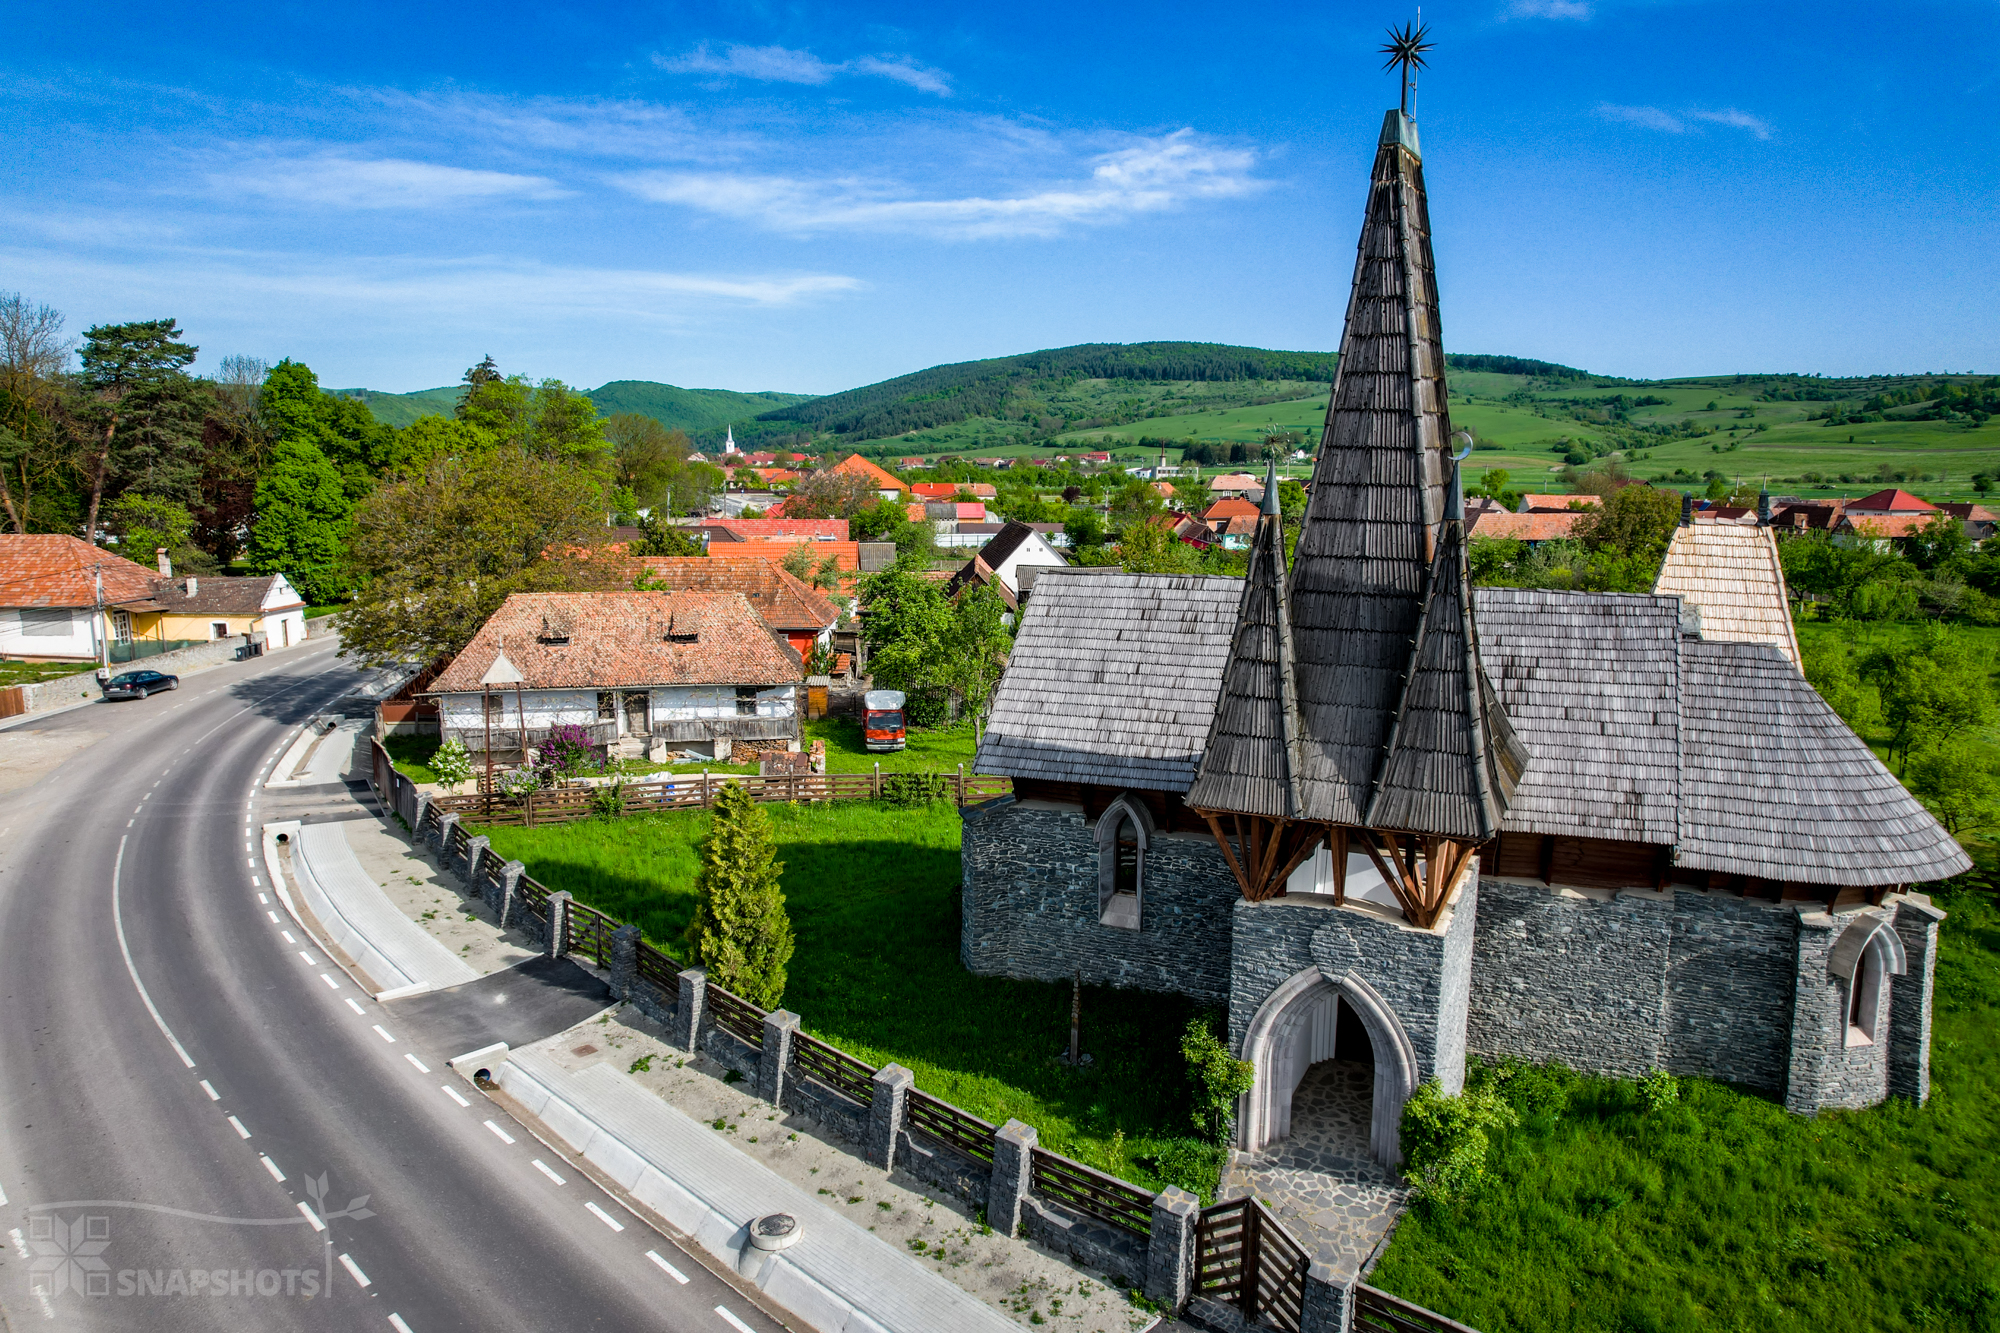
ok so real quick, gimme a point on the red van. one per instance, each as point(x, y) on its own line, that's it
point(882, 728)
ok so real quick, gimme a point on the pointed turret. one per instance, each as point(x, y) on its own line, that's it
point(1390, 691)
point(1249, 764)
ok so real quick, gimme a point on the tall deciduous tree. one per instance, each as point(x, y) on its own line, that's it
point(740, 931)
point(436, 554)
point(119, 361)
point(302, 516)
point(33, 441)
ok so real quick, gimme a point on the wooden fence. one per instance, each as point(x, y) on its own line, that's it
point(1244, 1256)
point(955, 1129)
point(1376, 1311)
point(834, 1067)
point(561, 805)
point(1076, 1186)
point(736, 1016)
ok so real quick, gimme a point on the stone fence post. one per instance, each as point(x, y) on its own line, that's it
point(1013, 1160)
point(417, 817)
point(475, 856)
point(557, 943)
point(508, 908)
point(624, 961)
point(1170, 1251)
point(774, 1065)
point(445, 826)
point(887, 1104)
point(692, 1011)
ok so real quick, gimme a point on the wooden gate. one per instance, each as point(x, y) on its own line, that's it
point(1244, 1256)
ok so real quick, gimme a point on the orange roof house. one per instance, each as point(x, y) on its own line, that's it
point(799, 614)
point(1890, 502)
point(1234, 506)
point(770, 529)
point(640, 671)
point(856, 466)
point(1556, 504)
point(1532, 528)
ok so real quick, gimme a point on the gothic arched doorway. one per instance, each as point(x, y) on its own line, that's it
point(1303, 1037)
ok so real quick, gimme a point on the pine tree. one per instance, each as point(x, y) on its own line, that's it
point(740, 932)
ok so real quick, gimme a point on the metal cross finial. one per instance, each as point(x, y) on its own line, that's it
point(1406, 47)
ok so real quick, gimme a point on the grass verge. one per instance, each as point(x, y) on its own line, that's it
point(1724, 1212)
point(873, 896)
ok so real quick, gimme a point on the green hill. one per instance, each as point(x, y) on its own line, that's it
point(692, 410)
point(1016, 400)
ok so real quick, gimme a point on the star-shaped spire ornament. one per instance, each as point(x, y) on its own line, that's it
point(1405, 48)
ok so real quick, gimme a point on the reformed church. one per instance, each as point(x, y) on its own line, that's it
point(1381, 815)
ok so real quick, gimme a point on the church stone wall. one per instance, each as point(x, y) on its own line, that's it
point(1031, 905)
point(1569, 977)
point(1707, 984)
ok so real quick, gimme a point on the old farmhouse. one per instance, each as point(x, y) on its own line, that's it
point(1385, 816)
point(642, 672)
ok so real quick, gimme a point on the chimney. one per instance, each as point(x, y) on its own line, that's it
point(165, 563)
point(1687, 508)
point(1764, 507)
point(193, 585)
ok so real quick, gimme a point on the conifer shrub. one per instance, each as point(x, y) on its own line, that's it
point(740, 931)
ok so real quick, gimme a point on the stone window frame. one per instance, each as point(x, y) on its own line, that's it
point(1125, 807)
point(1867, 953)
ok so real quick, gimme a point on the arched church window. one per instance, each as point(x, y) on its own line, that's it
point(1123, 834)
point(1864, 997)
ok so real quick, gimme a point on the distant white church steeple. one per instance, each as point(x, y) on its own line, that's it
point(729, 440)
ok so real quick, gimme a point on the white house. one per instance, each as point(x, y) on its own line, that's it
point(999, 563)
point(642, 672)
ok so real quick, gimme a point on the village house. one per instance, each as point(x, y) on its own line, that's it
point(1389, 821)
point(788, 530)
point(1557, 504)
point(62, 599)
point(887, 484)
point(999, 563)
point(644, 673)
point(1532, 527)
point(800, 615)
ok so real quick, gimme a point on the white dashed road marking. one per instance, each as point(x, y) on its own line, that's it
point(272, 1167)
point(383, 1033)
point(668, 1268)
point(354, 1271)
point(328, 979)
point(213, 1095)
point(312, 1218)
point(355, 1007)
point(452, 1093)
point(543, 1167)
point(605, 1217)
point(505, 1137)
point(238, 1124)
point(421, 1066)
point(733, 1321)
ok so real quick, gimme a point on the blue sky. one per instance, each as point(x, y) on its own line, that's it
point(809, 197)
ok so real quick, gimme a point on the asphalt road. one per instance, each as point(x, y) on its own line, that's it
point(188, 1096)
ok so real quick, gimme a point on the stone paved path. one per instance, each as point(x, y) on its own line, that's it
point(1322, 1182)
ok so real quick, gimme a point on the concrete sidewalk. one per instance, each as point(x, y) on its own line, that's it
point(357, 916)
point(836, 1277)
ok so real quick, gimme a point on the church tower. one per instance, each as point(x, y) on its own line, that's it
point(1375, 727)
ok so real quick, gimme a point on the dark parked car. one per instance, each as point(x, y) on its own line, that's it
point(139, 684)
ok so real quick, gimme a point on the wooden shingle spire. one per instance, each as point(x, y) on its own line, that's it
point(1249, 765)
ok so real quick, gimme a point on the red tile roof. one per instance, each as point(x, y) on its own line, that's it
point(1559, 503)
point(1530, 527)
point(781, 529)
point(1884, 525)
point(846, 555)
point(1891, 502)
point(783, 601)
point(856, 465)
point(617, 640)
point(1233, 507)
point(50, 569)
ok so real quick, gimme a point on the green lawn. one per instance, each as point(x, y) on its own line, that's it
point(1726, 1213)
point(30, 673)
point(941, 751)
point(412, 756)
point(873, 896)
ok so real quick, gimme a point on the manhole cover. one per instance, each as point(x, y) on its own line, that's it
point(585, 1049)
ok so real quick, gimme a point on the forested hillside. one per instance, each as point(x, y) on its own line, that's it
point(1017, 387)
point(691, 410)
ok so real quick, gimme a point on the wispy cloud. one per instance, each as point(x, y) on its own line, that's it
point(334, 180)
point(1669, 122)
point(1145, 176)
point(489, 287)
point(1547, 9)
point(779, 64)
